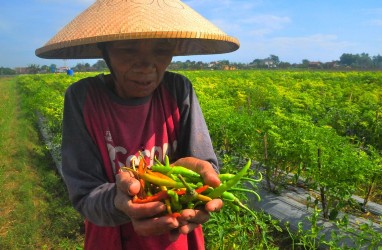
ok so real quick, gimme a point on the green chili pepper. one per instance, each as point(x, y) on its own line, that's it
point(227, 176)
point(230, 197)
point(233, 206)
point(248, 191)
point(191, 194)
point(176, 170)
point(174, 200)
point(217, 192)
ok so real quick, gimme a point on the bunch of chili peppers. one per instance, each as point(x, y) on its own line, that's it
point(180, 188)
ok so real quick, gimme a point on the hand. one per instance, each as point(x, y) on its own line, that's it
point(191, 218)
point(148, 218)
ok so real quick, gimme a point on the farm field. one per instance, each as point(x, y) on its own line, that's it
point(34, 210)
point(320, 130)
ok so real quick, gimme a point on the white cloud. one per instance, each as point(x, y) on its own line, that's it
point(264, 24)
point(320, 47)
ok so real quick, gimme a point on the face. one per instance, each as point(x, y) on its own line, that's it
point(139, 65)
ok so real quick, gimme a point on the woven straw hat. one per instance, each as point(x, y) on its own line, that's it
point(112, 20)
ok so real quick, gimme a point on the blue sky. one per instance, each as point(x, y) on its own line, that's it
point(293, 30)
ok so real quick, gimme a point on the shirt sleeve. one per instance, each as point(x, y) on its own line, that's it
point(89, 190)
point(194, 139)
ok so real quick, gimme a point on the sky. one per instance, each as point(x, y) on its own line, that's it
point(293, 30)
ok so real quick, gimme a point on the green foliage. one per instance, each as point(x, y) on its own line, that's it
point(281, 119)
point(34, 209)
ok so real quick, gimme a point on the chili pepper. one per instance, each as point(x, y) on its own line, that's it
point(166, 201)
point(217, 192)
point(176, 170)
point(141, 170)
point(199, 190)
point(159, 174)
point(233, 206)
point(191, 194)
point(175, 215)
point(203, 198)
point(248, 191)
point(227, 176)
point(167, 161)
point(230, 197)
point(202, 189)
point(160, 182)
point(174, 200)
point(161, 195)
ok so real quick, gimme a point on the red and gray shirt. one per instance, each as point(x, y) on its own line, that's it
point(103, 132)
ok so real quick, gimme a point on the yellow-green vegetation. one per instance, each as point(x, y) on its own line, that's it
point(34, 208)
point(321, 127)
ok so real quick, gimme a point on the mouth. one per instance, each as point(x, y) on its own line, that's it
point(143, 83)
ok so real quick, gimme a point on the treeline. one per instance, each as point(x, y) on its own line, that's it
point(346, 61)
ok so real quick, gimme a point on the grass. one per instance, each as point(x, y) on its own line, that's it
point(35, 212)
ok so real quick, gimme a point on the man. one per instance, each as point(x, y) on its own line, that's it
point(139, 107)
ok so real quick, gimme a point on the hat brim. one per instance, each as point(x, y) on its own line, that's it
point(90, 50)
point(115, 20)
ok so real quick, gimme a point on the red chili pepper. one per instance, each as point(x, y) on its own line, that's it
point(202, 189)
point(175, 215)
point(161, 195)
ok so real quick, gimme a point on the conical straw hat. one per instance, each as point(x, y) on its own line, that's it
point(111, 20)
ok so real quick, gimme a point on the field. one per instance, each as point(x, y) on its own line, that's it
point(321, 129)
point(34, 210)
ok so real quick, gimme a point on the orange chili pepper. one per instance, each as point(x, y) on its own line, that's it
point(158, 174)
point(198, 190)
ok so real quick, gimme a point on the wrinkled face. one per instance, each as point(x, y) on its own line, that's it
point(139, 65)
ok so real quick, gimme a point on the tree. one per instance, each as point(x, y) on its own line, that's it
point(33, 68)
point(377, 61)
point(305, 63)
point(44, 69)
point(363, 61)
point(100, 65)
point(82, 67)
point(348, 59)
point(275, 59)
point(7, 71)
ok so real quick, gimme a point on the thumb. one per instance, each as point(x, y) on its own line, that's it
point(127, 183)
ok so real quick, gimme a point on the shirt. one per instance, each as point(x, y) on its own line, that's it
point(103, 132)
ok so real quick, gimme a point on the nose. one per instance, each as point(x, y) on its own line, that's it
point(144, 64)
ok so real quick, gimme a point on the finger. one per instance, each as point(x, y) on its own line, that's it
point(214, 206)
point(187, 228)
point(126, 182)
point(155, 226)
point(193, 216)
point(210, 177)
point(146, 210)
point(204, 168)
